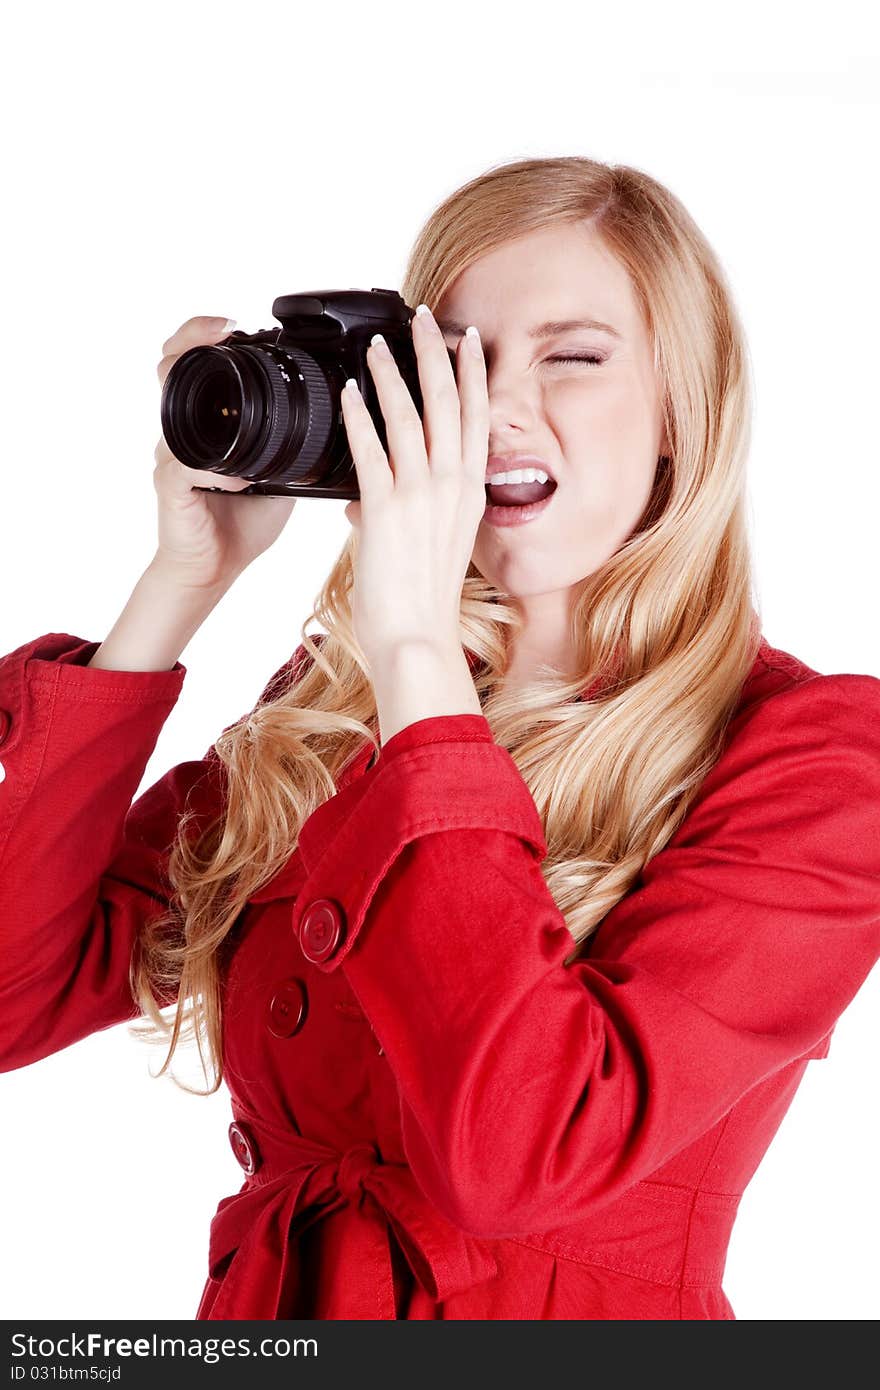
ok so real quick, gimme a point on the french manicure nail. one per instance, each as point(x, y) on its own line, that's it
point(424, 313)
point(473, 337)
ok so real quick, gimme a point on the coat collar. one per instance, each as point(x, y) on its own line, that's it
point(356, 778)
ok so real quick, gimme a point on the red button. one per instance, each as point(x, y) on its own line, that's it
point(244, 1146)
point(287, 1008)
point(5, 724)
point(321, 930)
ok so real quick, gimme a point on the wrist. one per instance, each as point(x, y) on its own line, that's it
point(419, 680)
point(162, 573)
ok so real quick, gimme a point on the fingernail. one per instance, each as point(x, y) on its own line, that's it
point(424, 313)
point(473, 337)
point(379, 343)
point(225, 325)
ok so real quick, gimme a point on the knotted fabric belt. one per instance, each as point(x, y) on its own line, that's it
point(296, 1181)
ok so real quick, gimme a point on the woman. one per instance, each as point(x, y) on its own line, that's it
point(513, 912)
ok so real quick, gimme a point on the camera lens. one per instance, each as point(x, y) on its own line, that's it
point(218, 409)
point(213, 409)
point(257, 412)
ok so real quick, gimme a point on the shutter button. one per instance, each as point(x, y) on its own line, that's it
point(244, 1147)
point(287, 1008)
point(321, 930)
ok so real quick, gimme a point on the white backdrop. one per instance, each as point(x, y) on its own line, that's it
point(203, 158)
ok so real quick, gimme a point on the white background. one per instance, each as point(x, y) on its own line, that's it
point(203, 159)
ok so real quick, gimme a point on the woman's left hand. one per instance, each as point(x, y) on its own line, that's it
point(418, 515)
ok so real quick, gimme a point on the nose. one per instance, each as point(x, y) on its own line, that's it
point(512, 409)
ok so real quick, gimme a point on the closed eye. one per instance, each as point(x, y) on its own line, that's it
point(571, 357)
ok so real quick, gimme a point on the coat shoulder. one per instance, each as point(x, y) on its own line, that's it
point(776, 672)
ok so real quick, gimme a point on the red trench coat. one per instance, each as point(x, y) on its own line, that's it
point(433, 1117)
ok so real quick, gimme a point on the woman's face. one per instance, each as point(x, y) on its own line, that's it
point(596, 423)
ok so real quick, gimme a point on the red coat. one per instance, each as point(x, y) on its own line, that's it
point(435, 1119)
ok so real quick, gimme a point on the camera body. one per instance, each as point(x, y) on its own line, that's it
point(266, 406)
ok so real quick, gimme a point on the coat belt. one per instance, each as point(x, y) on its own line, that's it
point(298, 1181)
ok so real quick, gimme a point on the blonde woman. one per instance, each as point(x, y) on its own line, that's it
point(514, 911)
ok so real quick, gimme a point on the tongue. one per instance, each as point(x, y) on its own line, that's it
point(518, 494)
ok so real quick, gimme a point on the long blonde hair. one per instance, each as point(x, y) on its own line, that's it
point(665, 631)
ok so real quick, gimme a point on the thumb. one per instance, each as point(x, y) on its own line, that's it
point(353, 514)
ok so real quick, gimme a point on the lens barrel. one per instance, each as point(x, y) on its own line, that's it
point(248, 412)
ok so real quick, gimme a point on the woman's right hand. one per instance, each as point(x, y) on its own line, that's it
point(205, 539)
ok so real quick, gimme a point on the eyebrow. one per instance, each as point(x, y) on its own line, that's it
point(541, 330)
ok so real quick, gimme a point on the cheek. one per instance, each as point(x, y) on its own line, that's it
point(610, 490)
point(610, 477)
point(607, 435)
point(611, 410)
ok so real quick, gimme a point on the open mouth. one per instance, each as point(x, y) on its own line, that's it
point(518, 494)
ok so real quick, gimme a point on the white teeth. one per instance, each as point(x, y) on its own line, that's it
point(521, 475)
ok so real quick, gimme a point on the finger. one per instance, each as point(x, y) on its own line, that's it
point(177, 477)
point(164, 367)
point(474, 409)
point(196, 332)
point(406, 435)
point(170, 476)
point(440, 395)
point(374, 475)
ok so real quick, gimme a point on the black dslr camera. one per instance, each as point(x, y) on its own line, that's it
point(266, 405)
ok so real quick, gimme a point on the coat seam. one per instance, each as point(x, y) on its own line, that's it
point(33, 769)
point(703, 1277)
point(693, 1206)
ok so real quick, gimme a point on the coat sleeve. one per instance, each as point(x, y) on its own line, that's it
point(531, 1092)
point(81, 868)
